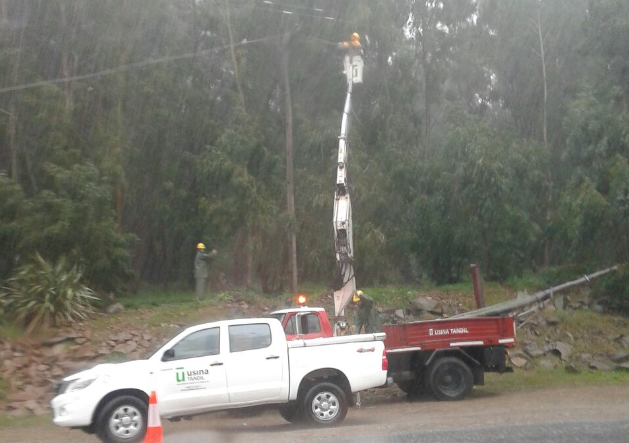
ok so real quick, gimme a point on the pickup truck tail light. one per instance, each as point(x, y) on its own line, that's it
point(385, 362)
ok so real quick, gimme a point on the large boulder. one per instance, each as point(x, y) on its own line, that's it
point(563, 349)
point(571, 368)
point(428, 304)
point(532, 350)
point(126, 348)
point(116, 308)
point(600, 365)
point(619, 357)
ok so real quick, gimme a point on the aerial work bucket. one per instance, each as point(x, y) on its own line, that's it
point(353, 59)
point(354, 68)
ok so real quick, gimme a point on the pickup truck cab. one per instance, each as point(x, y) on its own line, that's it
point(224, 365)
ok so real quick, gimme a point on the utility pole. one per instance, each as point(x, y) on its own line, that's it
point(290, 184)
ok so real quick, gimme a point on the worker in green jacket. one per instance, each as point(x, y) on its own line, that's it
point(202, 270)
point(366, 314)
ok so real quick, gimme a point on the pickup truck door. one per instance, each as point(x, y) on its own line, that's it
point(193, 378)
point(257, 363)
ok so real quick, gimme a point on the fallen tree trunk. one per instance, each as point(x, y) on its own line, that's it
point(512, 305)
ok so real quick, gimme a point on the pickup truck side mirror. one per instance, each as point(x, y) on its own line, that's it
point(169, 354)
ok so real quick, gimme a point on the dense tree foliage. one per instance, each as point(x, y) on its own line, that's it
point(486, 131)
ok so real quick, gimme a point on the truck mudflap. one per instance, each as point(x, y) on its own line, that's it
point(495, 358)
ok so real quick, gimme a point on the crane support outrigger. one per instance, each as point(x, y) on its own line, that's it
point(345, 284)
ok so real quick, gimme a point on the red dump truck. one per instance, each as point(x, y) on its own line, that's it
point(447, 356)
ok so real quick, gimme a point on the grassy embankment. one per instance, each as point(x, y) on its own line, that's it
point(161, 310)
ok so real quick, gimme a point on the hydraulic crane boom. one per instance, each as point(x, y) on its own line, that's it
point(343, 240)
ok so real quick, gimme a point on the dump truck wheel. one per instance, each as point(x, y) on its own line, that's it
point(413, 388)
point(450, 379)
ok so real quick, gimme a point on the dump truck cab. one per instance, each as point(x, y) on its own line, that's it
point(304, 323)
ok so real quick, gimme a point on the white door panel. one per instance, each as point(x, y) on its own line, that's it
point(193, 384)
point(255, 366)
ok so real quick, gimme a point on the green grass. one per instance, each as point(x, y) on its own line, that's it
point(10, 422)
point(115, 357)
point(10, 331)
point(529, 282)
point(592, 332)
point(150, 296)
point(3, 388)
point(539, 378)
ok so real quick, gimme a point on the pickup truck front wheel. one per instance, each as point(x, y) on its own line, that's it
point(451, 379)
point(325, 404)
point(122, 420)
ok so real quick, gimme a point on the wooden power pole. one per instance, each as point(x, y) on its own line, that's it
point(290, 184)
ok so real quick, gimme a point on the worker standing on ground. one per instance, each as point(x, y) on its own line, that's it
point(202, 270)
point(366, 314)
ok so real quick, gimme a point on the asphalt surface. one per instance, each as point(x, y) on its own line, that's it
point(577, 415)
point(562, 432)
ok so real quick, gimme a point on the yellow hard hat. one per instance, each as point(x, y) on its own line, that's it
point(200, 246)
point(355, 36)
point(356, 296)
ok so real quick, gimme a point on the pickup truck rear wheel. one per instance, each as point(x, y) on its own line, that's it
point(451, 379)
point(122, 420)
point(325, 404)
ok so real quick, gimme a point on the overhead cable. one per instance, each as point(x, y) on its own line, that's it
point(130, 66)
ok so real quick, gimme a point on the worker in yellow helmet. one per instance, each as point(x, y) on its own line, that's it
point(355, 39)
point(201, 270)
point(353, 47)
point(366, 314)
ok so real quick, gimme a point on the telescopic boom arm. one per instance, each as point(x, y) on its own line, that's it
point(343, 240)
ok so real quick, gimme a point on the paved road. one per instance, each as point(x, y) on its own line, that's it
point(561, 432)
point(574, 415)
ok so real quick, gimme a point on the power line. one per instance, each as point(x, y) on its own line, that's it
point(281, 11)
point(284, 5)
point(130, 66)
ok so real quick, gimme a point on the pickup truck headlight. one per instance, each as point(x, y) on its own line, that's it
point(81, 383)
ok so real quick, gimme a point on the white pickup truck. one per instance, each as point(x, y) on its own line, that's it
point(224, 365)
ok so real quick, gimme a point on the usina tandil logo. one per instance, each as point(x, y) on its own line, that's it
point(190, 375)
point(181, 375)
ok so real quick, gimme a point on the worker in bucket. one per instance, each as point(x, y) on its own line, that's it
point(366, 314)
point(202, 270)
point(354, 47)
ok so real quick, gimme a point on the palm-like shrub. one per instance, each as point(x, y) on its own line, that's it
point(42, 293)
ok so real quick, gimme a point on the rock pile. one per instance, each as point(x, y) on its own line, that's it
point(30, 369)
point(422, 308)
point(555, 349)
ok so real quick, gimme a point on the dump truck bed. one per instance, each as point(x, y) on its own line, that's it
point(450, 333)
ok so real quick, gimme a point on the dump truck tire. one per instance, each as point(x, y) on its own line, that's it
point(450, 379)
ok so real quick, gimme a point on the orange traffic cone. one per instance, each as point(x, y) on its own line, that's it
point(154, 427)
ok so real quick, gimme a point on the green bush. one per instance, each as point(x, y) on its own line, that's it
point(615, 288)
point(42, 293)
